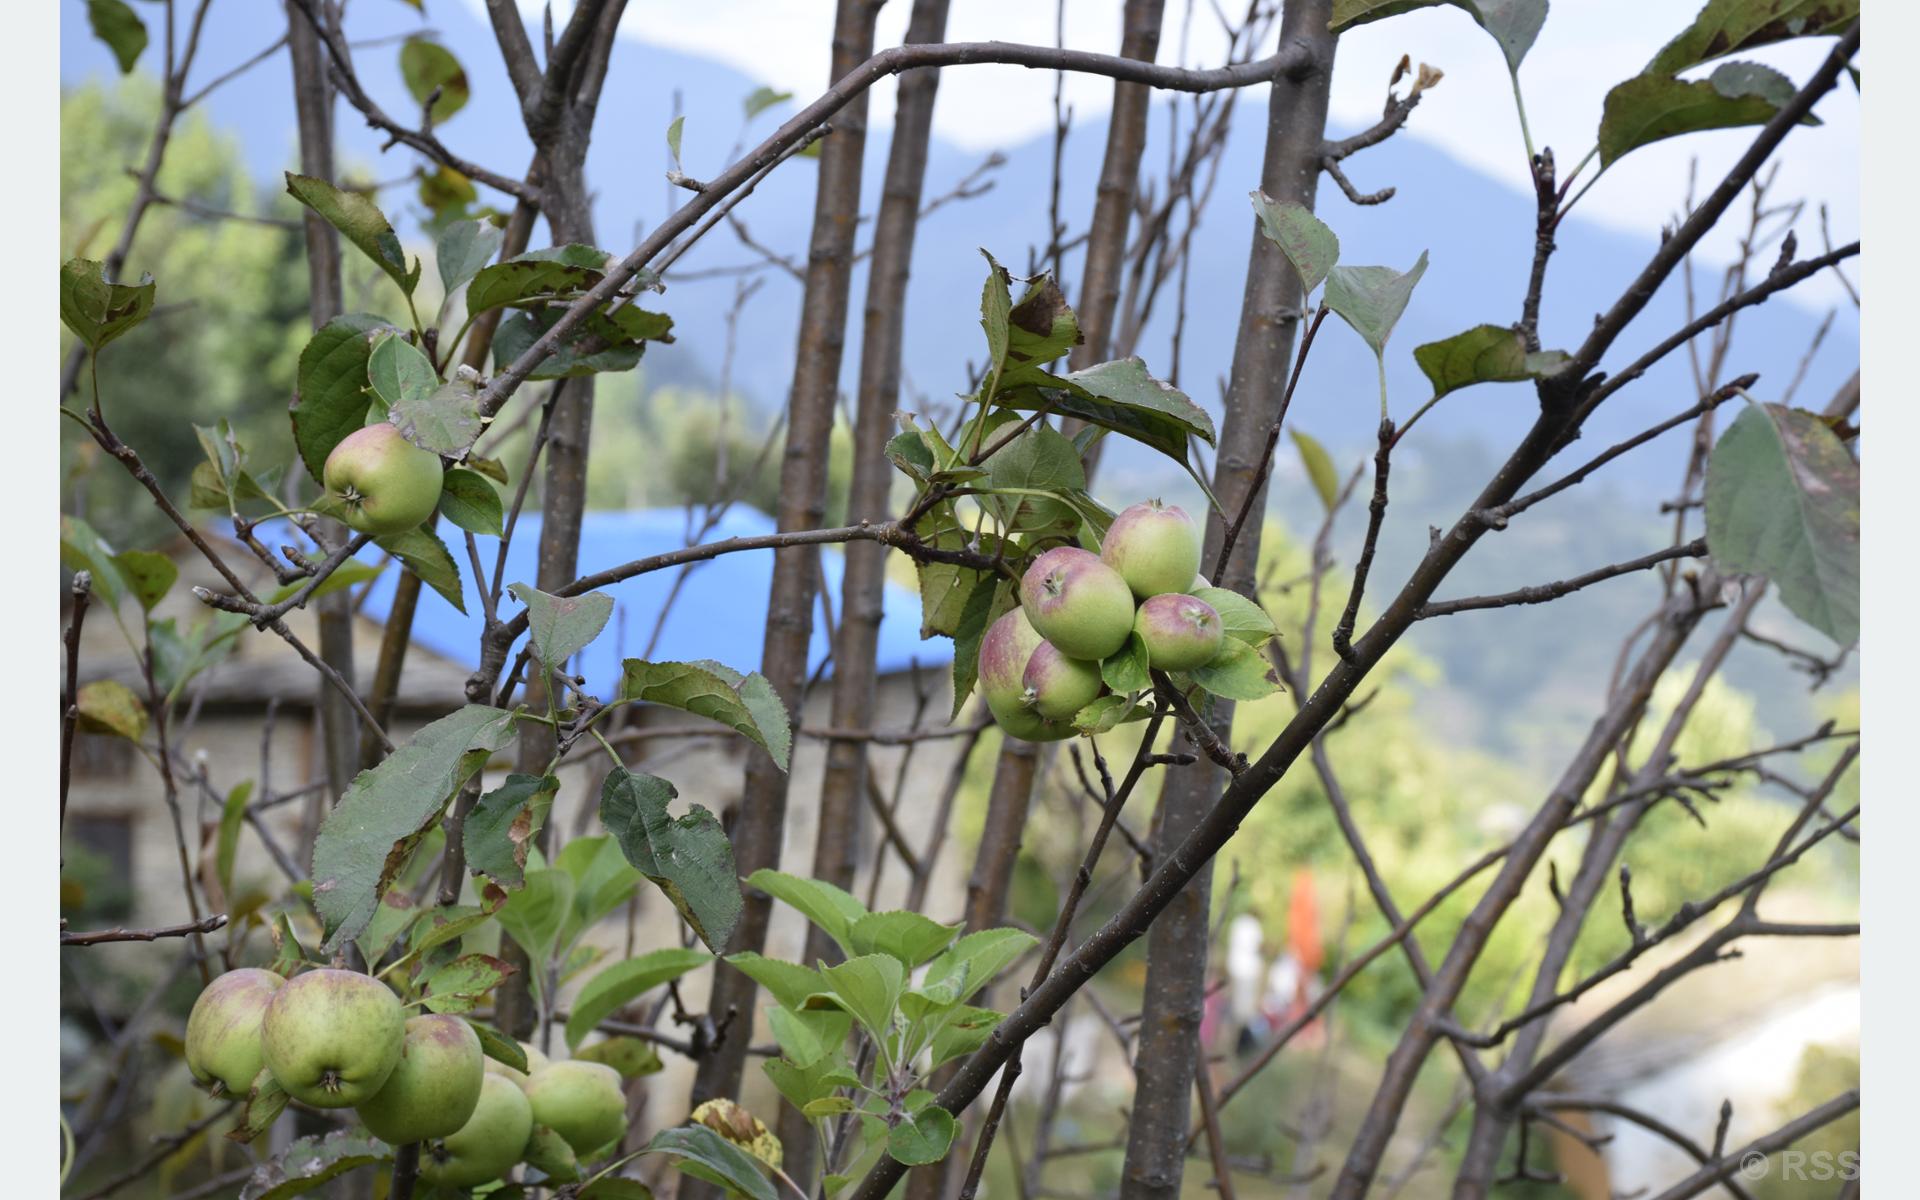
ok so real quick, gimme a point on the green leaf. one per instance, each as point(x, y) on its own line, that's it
point(96, 310)
point(447, 194)
point(497, 832)
point(1041, 459)
point(426, 65)
point(908, 451)
point(469, 501)
point(630, 1056)
point(808, 1036)
point(789, 983)
point(869, 987)
point(397, 371)
point(674, 130)
point(427, 556)
point(761, 99)
point(1512, 23)
point(1650, 108)
point(1371, 299)
point(81, 549)
point(492, 468)
point(309, 1162)
point(265, 1101)
point(689, 857)
point(395, 914)
point(699, 1146)
point(107, 706)
point(990, 598)
point(445, 420)
point(120, 28)
point(1238, 672)
point(603, 880)
point(149, 575)
point(462, 984)
point(907, 936)
point(1304, 238)
point(625, 337)
point(966, 1031)
point(996, 305)
point(804, 1085)
point(535, 914)
point(1040, 327)
point(441, 925)
point(1108, 712)
point(527, 279)
point(548, 1153)
point(921, 1137)
point(498, 1046)
point(368, 835)
point(618, 986)
point(1125, 670)
point(463, 248)
point(1783, 500)
point(1123, 396)
point(1726, 27)
point(232, 813)
point(1483, 354)
point(361, 221)
point(983, 955)
point(562, 626)
point(1239, 617)
point(747, 704)
point(1319, 465)
point(330, 387)
point(833, 909)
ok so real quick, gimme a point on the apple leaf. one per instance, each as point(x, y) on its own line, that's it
point(445, 420)
point(1783, 500)
point(834, 909)
point(368, 835)
point(907, 936)
point(361, 221)
point(535, 914)
point(562, 626)
point(503, 823)
point(330, 386)
point(1238, 672)
point(1123, 396)
point(1371, 299)
point(427, 556)
point(464, 247)
point(469, 501)
point(921, 1136)
point(700, 1151)
point(1650, 108)
point(398, 371)
point(149, 574)
point(618, 986)
point(390, 920)
point(1483, 354)
point(311, 1161)
point(1319, 466)
point(1125, 670)
point(746, 703)
point(990, 598)
point(981, 956)
point(1304, 238)
point(1239, 617)
point(264, 1102)
point(120, 28)
point(788, 983)
point(498, 1046)
point(687, 857)
point(529, 279)
point(1109, 712)
point(1726, 27)
point(462, 984)
point(108, 706)
point(232, 812)
point(630, 1056)
point(96, 310)
point(426, 65)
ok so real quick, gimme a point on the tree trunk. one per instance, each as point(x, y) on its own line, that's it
point(1177, 944)
point(863, 588)
point(313, 106)
point(761, 824)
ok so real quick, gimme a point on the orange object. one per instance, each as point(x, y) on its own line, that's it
point(1303, 923)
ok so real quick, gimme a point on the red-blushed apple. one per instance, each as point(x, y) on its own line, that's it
point(1056, 687)
point(380, 482)
point(1181, 632)
point(1078, 603)
point(223, 1030)
point(1004, 651)
point(535, 1060)
point(580, 1101)
point(434, 1086)
point(1155, 547)
point(488, 1145)
point(332, 1037)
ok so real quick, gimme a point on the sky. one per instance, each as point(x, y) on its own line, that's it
point(1586, 47)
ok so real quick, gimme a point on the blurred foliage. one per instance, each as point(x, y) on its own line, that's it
point(1815, 1165)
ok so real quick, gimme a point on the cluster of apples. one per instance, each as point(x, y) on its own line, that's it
point(339, 1039)
point(1040, 663)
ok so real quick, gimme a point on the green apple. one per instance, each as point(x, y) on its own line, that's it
point(535, 1060)
point(433, 1088)
point(1155, 547)
point(1056, 686)
point(380, 482)
point(1181, 632)
point(332, 1037)
point(1078, 603)
point(488, 1145)
point(1005, 650)
point(580, 1101)
point(223, 1030)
